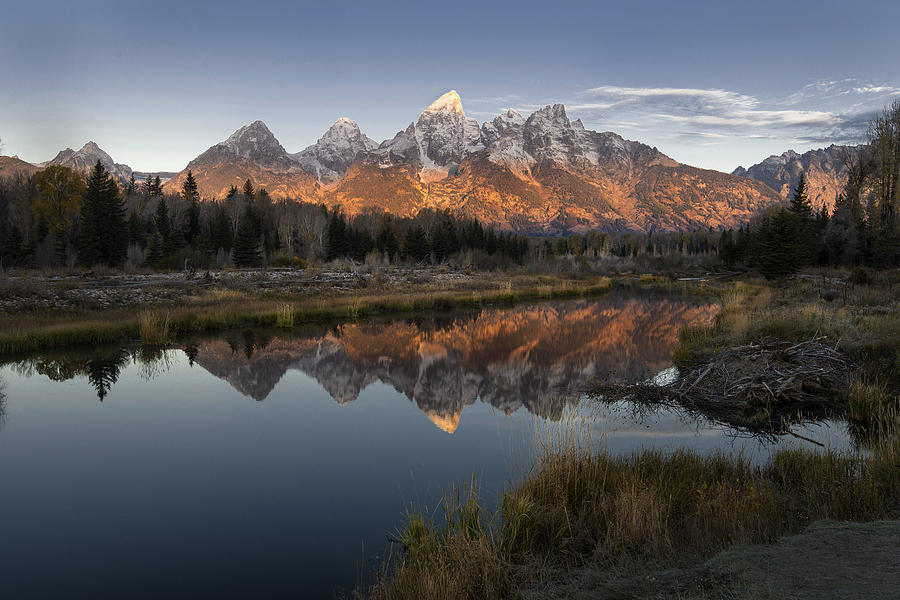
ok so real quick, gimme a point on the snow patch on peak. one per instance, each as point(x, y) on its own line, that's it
point(331, 156)
point(346, 132)
point(252, 132)
point(255, 142)
point(513, 116)
point(449, 102)
point(86, 157)
point(491, 131)
point(91, 147)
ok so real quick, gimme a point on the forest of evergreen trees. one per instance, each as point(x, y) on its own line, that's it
point(863, 229)
point(60, 218)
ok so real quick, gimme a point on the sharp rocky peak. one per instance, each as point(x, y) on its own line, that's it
point(253, 131)
point(256, 142)
point(551, 114)
point(343, 128)
point(92, 148)
point(448, 102)
point(86, 157)
point(331, 156)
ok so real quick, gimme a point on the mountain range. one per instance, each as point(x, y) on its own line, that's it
point(543, 174)
point(825, 170)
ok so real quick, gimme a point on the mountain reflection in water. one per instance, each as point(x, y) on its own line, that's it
point(539, 356)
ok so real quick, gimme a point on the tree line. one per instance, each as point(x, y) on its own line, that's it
point(863, 229)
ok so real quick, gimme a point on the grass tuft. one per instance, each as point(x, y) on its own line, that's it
point(284, 316)
point(155, 328)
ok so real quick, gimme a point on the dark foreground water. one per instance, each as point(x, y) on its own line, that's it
point(272, 465)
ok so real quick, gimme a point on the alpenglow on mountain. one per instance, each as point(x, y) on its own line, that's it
point(540, 174)
point(537, 174)
point(84, 159)
point(825, 170)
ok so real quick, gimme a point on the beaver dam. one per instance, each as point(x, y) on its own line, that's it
point(761, 388)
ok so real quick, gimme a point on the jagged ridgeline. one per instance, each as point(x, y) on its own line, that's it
point(544, 174)
point(541, 174)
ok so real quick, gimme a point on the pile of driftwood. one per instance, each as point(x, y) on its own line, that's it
point(761, 387)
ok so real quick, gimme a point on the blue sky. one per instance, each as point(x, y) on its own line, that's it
point(714, 84)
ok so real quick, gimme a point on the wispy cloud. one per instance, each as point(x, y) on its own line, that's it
point(733, 122)
point(704, 110)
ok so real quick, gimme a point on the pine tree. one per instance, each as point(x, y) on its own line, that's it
point(11, 252)
point(157, 186)
point(220, 230)
point(163, 226)
point(361, 243)
point(148, 186)
point(805, 242)
point(776, 254)
point(387, 242)
point(337, 237)
point(131, 186)
point(247, 251)
point(727, 248)
point(415, 245)
point(154, 250)
point(135, 229)
point(104, 231)
point(191, 195)
point(800, 204)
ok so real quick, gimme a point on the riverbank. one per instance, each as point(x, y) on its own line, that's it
point(39, 311)
point(580, 522)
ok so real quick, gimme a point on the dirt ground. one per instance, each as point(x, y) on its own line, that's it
point(830, 560)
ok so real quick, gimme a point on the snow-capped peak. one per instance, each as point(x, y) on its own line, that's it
point(255, 142)
point(92, 148)
point(253, 133)
point(449, 101)
point(346, 130)
point(86, 157)
point(335, 151)
point(512, 116)
point(493, 130)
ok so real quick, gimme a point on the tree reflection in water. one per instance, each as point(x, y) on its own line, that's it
point(2, 403)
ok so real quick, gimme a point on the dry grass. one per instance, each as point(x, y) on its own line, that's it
point(456, 559)
point(155, 328)
point(581, 508)
point(284, 317)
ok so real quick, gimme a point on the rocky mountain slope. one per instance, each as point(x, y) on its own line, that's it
point(84, 159)
point(331, 156)
point(11, 166)
point(825, 170)
point(546, 174)
point(251, 152)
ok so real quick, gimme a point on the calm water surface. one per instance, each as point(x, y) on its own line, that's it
point(261, 464)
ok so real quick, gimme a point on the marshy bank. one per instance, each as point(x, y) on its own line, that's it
point(589, 523)
point(158, 308)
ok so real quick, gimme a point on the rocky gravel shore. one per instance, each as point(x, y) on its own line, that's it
point(30, 291)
